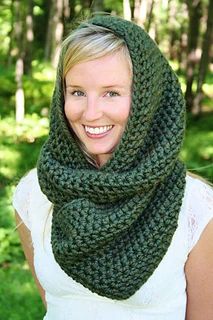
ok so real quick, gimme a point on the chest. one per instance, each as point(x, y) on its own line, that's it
point(166, 286)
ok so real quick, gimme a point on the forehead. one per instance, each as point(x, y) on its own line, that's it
point(110, 68)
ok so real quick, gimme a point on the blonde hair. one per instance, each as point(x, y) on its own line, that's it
point(91, 42)
point(88, 43)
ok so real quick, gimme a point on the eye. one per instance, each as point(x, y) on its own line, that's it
point(112, 94)
point(78, 93)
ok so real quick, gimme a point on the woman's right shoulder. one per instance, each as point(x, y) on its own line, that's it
point(26, 194)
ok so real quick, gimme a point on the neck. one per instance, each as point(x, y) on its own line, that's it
point(103, 158)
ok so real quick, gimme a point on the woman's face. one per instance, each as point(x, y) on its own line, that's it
point(97, 102)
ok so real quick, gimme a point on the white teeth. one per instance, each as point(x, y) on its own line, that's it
point(97, 130)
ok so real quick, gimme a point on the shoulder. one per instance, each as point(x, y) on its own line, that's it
point(28, 193)
point(198, 207)
point(199, 265)
point(199, 195)
point(198, 185)
point(199, 276)
point(27, 185)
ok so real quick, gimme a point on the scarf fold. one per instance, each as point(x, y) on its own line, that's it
point(112, 226)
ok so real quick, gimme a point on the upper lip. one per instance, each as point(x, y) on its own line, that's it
point(104, 125)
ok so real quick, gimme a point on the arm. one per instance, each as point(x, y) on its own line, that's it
point(199, 276)
point(26, 242)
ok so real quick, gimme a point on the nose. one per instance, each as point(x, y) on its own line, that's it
point(93, 110)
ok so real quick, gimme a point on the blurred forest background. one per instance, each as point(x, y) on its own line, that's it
point(30, 36)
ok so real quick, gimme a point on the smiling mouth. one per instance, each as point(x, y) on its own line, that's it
point(97, 132)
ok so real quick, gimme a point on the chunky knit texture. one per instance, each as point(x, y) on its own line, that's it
point(112, 226)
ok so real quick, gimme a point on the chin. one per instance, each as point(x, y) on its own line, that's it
point(100, 151)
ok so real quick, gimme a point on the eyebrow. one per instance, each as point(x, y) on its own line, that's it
point(70, 85)
point(113, 86)
point(104, 87)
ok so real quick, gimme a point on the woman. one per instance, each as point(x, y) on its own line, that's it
point(119, 228)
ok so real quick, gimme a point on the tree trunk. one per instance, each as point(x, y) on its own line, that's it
point(182, 48)
point(195, 12)
point(87, 3)
point(11, 35)
point(140, 12)
point(68, 15)
point(171, 22)
point(204, 61)
point(29, 36)
point(49, 37)
point(153, 25)
point(127, 10)
point(66, 11)
point(19, 91)
point(72, 9)
point(57, 31)
point(97, 6)
point(150, 16)
point(18, 27)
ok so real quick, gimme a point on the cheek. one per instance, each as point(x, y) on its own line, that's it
point(120, 114)
point(72, 111)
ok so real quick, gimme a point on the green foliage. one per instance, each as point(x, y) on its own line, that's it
point(10, 247)
point(198, 149)
point(116, 6)
point(38, 89)
point(20, 146)
point(18, 294)
point(5, 22)
point(8, 87)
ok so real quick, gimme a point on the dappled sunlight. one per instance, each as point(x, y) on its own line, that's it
point(16, 140)
point(32, 127)
point(21, 290)
point(43, 72)
point(8, 159)
point(208, 89)
point(206, 152)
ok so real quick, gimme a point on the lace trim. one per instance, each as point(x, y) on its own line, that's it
point(200, 211)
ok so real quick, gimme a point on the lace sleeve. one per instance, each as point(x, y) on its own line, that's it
point(21, 197)
point(200, 210)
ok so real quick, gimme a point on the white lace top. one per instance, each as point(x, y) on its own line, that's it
point(162, 297)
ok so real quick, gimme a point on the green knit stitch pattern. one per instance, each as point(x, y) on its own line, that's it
point(112, 226)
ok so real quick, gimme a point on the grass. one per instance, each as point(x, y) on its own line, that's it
point(20, 146)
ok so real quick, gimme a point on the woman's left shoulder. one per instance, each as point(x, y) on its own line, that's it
point(199, 199)
point(200, 194)
point(199, 265)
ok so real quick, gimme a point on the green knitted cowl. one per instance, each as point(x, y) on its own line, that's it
point(112, 226)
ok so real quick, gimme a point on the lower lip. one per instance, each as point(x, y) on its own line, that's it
point(98, 136)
